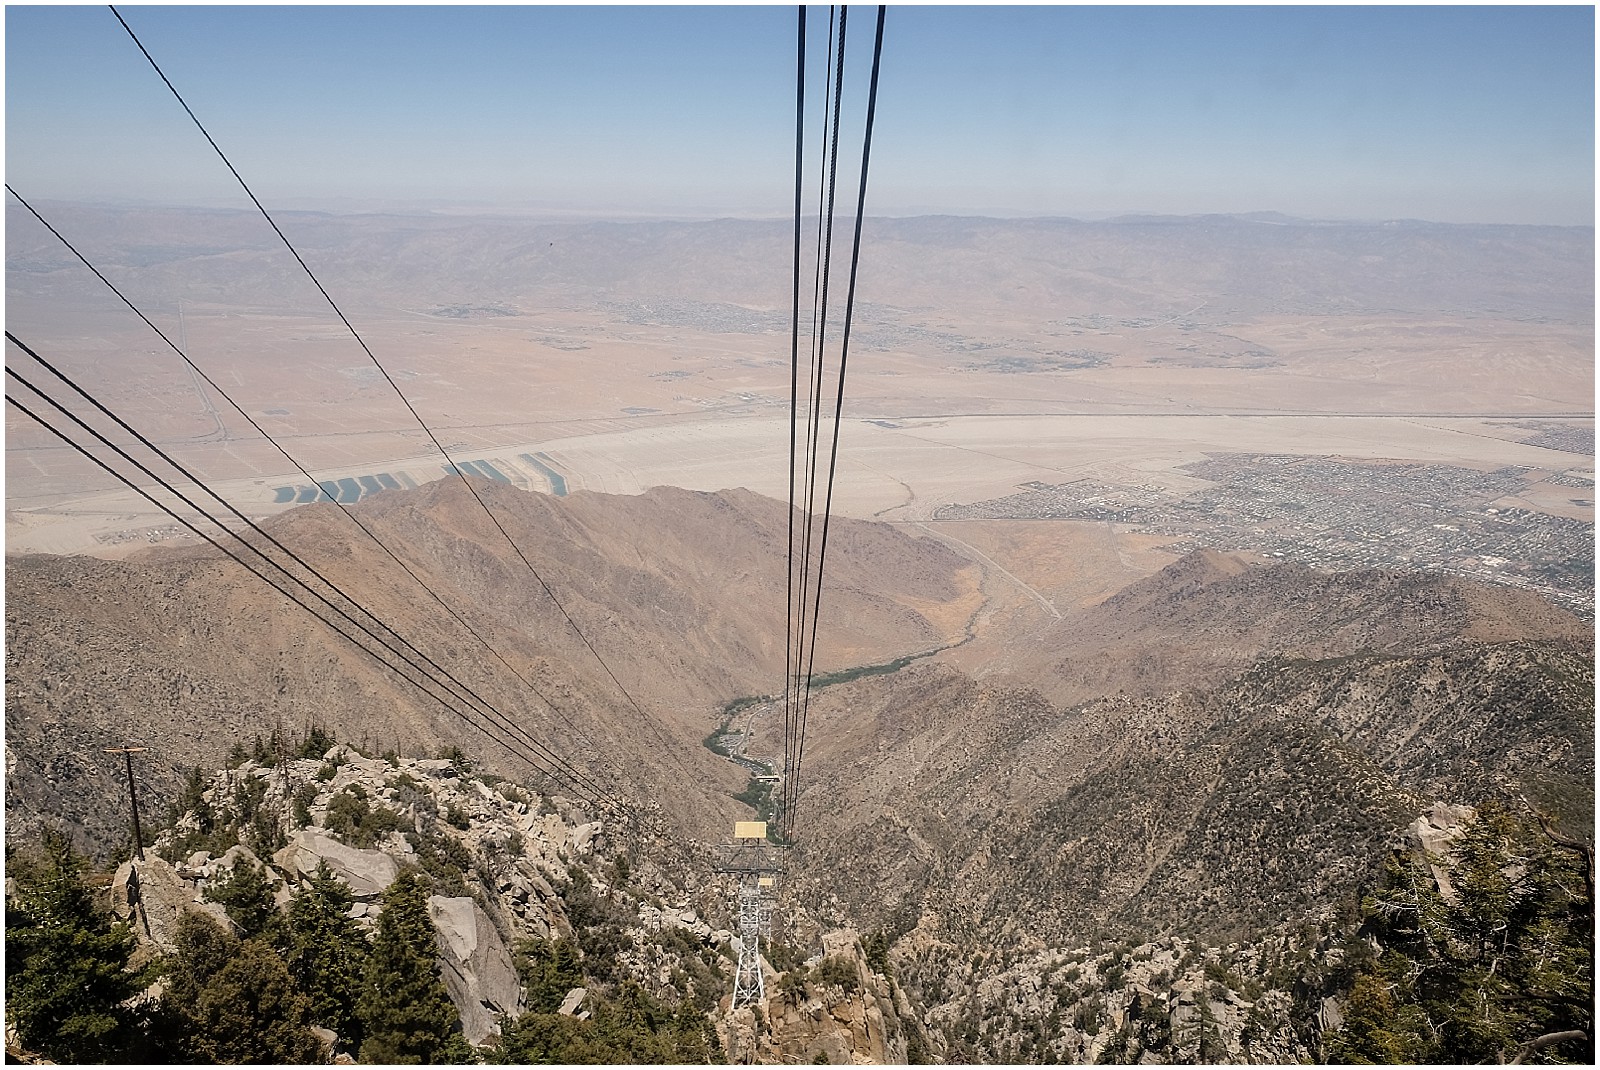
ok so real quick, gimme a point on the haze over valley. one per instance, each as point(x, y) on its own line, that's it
point(1122, 361)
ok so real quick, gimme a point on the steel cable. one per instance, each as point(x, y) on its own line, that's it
point(493, 731)
point(383, 371)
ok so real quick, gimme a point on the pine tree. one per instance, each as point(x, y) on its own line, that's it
point(1378, 1030)
point(632, 1027)
point(550, 969)
point(247, 896)
point(67, 975)
point(550, 1039)
point(317, 743)
point(328, 954)
point(233, 1001)
point(190, 798)
point(405, 1012)
point(1503, 963)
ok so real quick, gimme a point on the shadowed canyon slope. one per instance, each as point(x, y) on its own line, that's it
point(681, 593)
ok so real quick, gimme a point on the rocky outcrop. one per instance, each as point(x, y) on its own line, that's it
point(1168, 1001)
point(844, 1013)
point(515, 844)
point(367, 873)
point(507, 863)
point(476, 964)
point(574, 1000)
point(155, 895)
point(1434, 833)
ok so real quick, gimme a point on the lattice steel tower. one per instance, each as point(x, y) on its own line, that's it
point(756, 864)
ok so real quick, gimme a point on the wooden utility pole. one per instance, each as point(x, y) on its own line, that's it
point(133, 796)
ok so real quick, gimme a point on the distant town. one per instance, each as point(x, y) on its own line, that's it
point(1339, 514)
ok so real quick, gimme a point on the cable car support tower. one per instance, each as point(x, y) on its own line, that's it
point(757, 864)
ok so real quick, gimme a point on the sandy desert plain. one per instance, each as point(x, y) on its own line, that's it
point(953, 397)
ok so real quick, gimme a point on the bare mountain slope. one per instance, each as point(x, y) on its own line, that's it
point(1208, 615)
point(989, 815)
point(1241, 739)
point(682, 593)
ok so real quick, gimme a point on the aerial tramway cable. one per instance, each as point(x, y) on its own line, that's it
point(794, 382)
point(801, 577)
point(566, 770)
point(797, 571)
point(844, 358)
point(833, 100)
point(797, 576)
point(804, 656)
point(805, 589)
point(453, 703)
point(432, 438)
point(343, 507)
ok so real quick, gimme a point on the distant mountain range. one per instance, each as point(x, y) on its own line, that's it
point(1051, 267)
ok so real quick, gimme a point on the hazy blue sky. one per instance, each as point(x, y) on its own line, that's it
point(1459, 114)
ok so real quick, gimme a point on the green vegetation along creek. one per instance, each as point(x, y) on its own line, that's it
point(729, 741)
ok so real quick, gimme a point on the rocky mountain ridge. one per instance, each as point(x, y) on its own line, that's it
point(513, 872)
point(1161, 865)
point(1210, 615)
point(507, 865)
point(1218, 811)
point(1225, 788)
point(184, 650)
